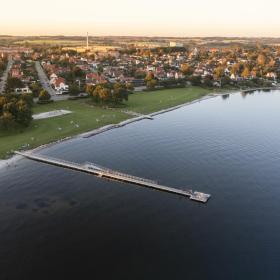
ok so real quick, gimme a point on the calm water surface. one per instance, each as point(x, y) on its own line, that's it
point(60, 224)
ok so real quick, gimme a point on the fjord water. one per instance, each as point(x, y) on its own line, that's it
point(61, 224)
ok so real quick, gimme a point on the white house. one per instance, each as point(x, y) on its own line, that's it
point(176, 44)
point(271, 75)
point(23, 90)
point(59, 85)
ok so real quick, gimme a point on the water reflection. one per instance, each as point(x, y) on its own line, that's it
point(58, 224)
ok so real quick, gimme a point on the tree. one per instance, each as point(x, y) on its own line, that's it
point(28, 98)
point(245, 73)
point(7, 120)
point(261, 59)
point(101, 94)
point(235, 69)
point(3, 101)
point(208, 81)
point(186, 69)
point(226, 81)
point(130, 86)
point(44, 95)
point(13, 83)
point(119, 93)
point(89, 89)
point(151, 84)
point(14, 110)
point(24, 114)
point(36, 88)
point(74, 90)
point(219, 72)
point(195, 80)
point(104, 95)
point(78, 72)
point(95, 94)
point(271, 63)
point(2, 66)
point(139, 75)
point(109, 94)
point(150, 76)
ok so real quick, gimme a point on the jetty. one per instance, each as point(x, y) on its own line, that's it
point(107, 173)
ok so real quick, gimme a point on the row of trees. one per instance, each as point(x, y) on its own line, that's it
point(15, 110)
point(108, 93)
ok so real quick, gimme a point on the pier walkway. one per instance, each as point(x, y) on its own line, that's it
point(100, 171)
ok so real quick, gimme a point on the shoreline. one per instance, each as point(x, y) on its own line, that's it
point(260, 89)
point(13, 159)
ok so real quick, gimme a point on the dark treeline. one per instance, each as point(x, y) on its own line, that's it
point(109, 93)
point(15, 110)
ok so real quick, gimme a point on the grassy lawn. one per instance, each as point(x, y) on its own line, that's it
point(85, 117)
point(148, 102)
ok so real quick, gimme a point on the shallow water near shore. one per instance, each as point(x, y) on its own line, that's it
point(57, 223)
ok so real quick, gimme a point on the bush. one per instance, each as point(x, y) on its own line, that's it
point(36, 89)
point(74, 90)
point(44, 96)
point(195, 80)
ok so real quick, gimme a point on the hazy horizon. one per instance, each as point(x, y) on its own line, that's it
point(130, 18)
point(84, 34)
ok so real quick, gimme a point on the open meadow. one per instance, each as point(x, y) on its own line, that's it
point(85, 117)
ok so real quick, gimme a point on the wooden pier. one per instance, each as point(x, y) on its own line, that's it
point(100, 171)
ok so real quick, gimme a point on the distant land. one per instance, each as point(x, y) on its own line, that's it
point(7, 40)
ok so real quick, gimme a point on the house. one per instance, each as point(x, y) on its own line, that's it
point(95, 79)
point(254, 74)
point(23, 90)
point(271, 75)
point(115, 54)
point(59, 85)
point(176, 44)
point(53, 77)
point(16, 73)
point(151, 68)
point(227, 71)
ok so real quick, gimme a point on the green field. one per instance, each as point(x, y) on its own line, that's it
point(86, 117)
point(154, 101)
point(53, 42)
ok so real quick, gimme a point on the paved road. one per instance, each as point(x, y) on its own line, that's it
point(4, 78)
point(46, 83)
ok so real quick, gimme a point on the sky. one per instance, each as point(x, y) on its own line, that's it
point(251, 18)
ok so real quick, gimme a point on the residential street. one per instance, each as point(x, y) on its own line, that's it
point(46, 83)
point(4, 78)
